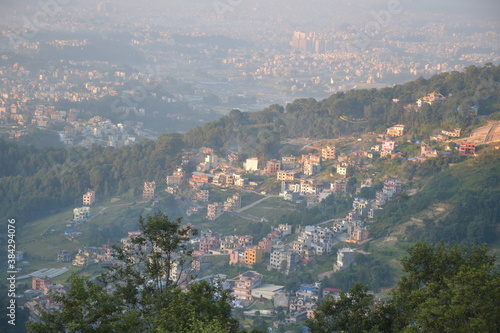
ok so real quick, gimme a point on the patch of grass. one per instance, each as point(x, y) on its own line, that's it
point(42, 240)
point(271, 208)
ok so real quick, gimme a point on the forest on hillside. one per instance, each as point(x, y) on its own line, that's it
point(359, 111)
point(38, 182)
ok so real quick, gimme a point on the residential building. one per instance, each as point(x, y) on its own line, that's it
point(53, 289)
point(200, 178)
point(312, 168)
point(288, 163)
point(148, 193)
point(361, 206)
point(81, 214)
point(328, 153)
point(335, 293)
point(272, 166)
point(430, 99)
point(392, 187)
point(232, 203)
point(202, 195)
point(253, 255)
point(359, 234)
point(286, 176)
point(208, 244)
point(467, 149)
point(252, 164)
point(214, 210)
point(427, 151)
point(266, 245)
point(81, 259)
point(245, 240)
point(345, 258)
point(310, 187)
point(388, 145)
point(235, 256)
point(285, 261)
point(285, 229)
point(339, 186)
point(89, 198)
point(39, 283)
point(314, 238)
point(396, 130)
point(244, 284)
point(342, 169)
point(452, 134)
point(309, 291)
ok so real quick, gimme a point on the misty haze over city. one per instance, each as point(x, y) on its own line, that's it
point(210, 56)
point(261, 165)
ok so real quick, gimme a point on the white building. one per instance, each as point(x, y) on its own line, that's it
point(252, 164)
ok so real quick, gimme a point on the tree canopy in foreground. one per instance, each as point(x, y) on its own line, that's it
point(444, 290)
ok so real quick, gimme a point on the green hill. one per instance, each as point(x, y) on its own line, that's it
point(457, 205)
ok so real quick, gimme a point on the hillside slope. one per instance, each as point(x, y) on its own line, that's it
point(460, 204)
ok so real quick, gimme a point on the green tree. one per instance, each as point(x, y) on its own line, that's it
point(351, 313)
point(87, 307)
point(444, 290)
point(447, 290)
point(141, 293)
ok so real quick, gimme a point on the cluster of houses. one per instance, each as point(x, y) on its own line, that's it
point(216, 209)
point(45, 290)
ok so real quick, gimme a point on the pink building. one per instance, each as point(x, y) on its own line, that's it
point(242, 289)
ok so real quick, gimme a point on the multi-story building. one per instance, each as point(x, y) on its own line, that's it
point(396, 130)
point(252, 164)
point(339, 186)
point(467, 149)
point(392, 187)
point(310, 187)
point(39, 283)
point(89, 198)
point(232, 203)
point(200, 178)
point(63, 256)
point(285, 261)
point(388, 145)
point(328, 153)
point(286, 176)
point(224, 179)
point(214, 210)
point(208, 244)
point(342, 169)
point(312, 168)
point(176, 178)
point(266, 245)
point(81, 214)
point(253, 255)
point(359, 233)
point(81, 259)
point(244, 284)
point(272, 166)
point(345, 258)
point(288, 163)
point(361, 206)
point(245, 240)
point(202, 195)
point(148, 193)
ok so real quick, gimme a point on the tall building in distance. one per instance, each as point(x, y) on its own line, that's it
point(89, 198)
point(148, 193)
point(310, 43)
